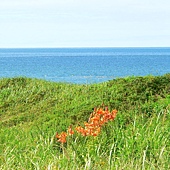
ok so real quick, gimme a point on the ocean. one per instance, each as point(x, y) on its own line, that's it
point(83, 65)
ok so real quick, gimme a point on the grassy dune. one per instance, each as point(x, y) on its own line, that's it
point(32, 111)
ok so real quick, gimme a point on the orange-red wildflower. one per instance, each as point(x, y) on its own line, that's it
point(100, 111)
point(70, 131)
point(93, 127)
point(61, 137)
point(81, 130)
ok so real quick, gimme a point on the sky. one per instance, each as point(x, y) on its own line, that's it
point(84, 23)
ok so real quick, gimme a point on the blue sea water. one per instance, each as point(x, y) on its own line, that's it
point(83, 65)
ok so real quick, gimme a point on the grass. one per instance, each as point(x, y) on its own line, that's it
point(32, 111)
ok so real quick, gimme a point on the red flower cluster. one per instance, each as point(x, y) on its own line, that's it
point(93, 127)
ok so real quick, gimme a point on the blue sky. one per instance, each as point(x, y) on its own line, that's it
point(84, 23)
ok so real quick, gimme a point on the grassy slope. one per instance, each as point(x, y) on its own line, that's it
point(32, 110)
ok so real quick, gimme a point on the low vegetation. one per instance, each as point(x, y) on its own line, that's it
point(32, 111)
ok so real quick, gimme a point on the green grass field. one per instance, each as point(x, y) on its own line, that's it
point(32, 111)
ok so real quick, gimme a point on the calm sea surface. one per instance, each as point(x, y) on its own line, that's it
point(84, 65)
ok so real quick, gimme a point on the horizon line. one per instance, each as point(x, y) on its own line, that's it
point(84, 47)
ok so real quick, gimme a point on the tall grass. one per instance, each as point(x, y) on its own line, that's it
point(32, 111)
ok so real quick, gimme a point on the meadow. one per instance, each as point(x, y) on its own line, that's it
point(32, 111)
